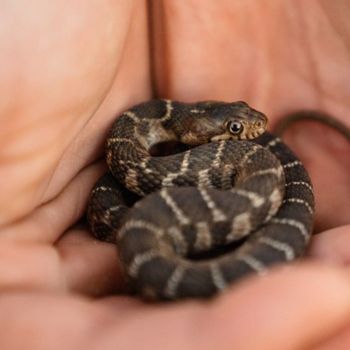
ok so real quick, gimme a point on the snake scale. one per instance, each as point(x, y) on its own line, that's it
point(230, 184)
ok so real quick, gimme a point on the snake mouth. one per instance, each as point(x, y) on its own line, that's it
point(248, 134)
point(223, 137)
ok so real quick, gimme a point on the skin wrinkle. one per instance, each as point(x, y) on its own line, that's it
point(52, 175)
point(159, 50)
point(319, 76)
point(265, 55)
point(337, 26)
point(299, 67)
point(108, 107)
point(150, 40)
point(28, 152)
point(92, 114)
point(45, 224)
point(313, 76)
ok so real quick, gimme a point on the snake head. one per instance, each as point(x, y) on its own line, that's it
point(215, 121)
point(240, 120)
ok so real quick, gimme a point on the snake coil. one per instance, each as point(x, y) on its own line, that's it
point(234, 185)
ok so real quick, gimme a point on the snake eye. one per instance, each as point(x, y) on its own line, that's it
point(235, 128)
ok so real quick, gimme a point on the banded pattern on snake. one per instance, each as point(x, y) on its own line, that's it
point(233, 185)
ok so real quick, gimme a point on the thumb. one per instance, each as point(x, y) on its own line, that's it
point(292, 308)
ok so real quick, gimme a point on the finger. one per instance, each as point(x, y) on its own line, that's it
point(30, 266)
point(324, 148)
point(77, 263)
point(282, 311)
point(95, 49)
point(332, 246)
point(285, 310)
point(49, 221)
point(89, 266)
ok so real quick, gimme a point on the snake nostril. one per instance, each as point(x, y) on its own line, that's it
point(260, 124)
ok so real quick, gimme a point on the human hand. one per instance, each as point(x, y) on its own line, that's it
point(85, 69)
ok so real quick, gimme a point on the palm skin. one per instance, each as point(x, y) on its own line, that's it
point(67, 74)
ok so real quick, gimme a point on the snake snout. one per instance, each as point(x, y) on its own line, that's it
point(254, 128)
point(257, 127)
point(260, 124)
point(260, 120)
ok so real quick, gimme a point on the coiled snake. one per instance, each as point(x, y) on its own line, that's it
point(234, 185)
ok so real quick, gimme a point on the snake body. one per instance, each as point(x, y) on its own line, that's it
point(253, 196)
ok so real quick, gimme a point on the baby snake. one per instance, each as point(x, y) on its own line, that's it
point(232, 185)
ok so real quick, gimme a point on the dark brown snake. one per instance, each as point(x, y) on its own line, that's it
point(233, 185)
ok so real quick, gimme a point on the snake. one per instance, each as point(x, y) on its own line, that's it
point(198, 196)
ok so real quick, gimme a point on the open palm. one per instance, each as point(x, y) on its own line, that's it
point(67, 72)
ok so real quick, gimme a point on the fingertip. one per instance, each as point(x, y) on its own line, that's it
point(94, 268)
point(332, 246)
